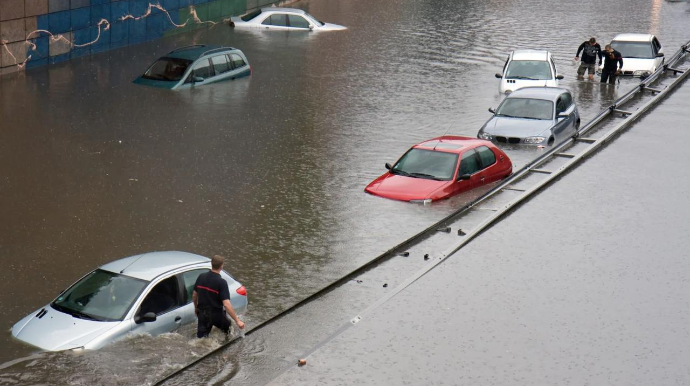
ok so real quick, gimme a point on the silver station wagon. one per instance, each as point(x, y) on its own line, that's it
point(533, 116)
point(149, 293)
point(195, 66)
point(276, 18)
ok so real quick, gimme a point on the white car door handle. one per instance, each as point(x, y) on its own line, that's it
point(177, 319)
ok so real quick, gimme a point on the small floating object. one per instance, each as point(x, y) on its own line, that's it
point(385, 285)
point(426, 256)
point(404, 253)
point(461, 233)
point(446, 229)
point(301, 362)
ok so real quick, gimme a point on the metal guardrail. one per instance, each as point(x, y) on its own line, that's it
point(455, 217)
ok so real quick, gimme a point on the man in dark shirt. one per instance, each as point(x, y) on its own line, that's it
point(590, 50)
point(612, 60)
point(210, 297)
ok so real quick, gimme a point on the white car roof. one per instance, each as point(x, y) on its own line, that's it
point(633, 38)
point(148, 266)
point(283, 10)
point(530, 55)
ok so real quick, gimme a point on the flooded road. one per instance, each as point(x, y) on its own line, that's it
point(597, 294)
point(268, 170)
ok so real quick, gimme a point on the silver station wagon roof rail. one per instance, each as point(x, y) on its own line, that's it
point(217, 49)
point(187, 47)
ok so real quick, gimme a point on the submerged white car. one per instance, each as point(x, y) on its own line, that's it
point(149, 293)
point(642, 53)
point(276, 18)
point(528, 68)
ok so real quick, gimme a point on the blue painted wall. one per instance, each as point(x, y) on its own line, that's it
point(39, 32)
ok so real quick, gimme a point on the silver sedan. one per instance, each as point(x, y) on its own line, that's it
point(533, 116)
point(276, 18)
point(149, 293)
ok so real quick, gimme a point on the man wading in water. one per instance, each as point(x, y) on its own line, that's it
point(590, 50)
point(211, 299)
point(611, 69)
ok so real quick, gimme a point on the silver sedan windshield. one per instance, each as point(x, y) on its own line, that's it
point(526, 108)
point(429, 164)
point(528, 69)
point(100, 295)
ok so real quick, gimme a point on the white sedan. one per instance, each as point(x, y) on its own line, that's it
point(282, 19)
point(642, 53)
point(528, 68)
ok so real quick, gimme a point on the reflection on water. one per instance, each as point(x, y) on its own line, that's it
point(267, 170)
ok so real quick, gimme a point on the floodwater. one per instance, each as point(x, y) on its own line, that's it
point(596, 295)
point(268, 170)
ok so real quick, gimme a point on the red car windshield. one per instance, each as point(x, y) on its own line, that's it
point(429, 164)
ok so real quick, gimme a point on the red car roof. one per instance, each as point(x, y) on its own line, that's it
point(452, 143)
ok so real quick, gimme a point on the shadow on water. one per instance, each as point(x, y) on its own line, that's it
point(267, 170)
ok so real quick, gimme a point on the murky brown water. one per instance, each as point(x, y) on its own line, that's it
point(267, 170)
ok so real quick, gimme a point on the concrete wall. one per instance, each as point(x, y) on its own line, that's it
point(39, 32)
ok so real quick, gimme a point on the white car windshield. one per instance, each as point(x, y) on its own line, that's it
point(528, 69)
point(526, 108)
point(170, 69)
point(429, 164)
point(100, 295)
point(641, 50)
point(315, 20)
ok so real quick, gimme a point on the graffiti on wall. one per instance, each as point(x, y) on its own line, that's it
point(103, 25)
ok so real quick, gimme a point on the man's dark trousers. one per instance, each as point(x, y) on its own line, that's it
point(608, 75)
point(211, 317)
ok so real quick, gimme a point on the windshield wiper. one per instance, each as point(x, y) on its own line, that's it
point(74, 313)
point(424, 175)
point(82, 315)
point(401, 172)
point(521, 77)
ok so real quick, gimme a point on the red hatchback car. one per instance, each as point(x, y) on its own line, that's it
point(440, 168)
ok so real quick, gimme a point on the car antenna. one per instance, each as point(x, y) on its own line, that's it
point(130, 264)
point(443, 135)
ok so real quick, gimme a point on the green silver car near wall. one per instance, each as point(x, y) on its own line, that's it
point(194, 66)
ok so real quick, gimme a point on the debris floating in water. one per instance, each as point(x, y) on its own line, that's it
point(301, 362)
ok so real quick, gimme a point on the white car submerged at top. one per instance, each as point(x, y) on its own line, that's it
point(276, 18)
point(642, 53)
point(528, 68)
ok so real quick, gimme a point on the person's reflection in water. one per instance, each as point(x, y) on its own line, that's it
point(607, 95)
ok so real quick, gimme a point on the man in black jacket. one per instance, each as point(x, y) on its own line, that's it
point(613, 63)
point(590, 50)
point(211, 299)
